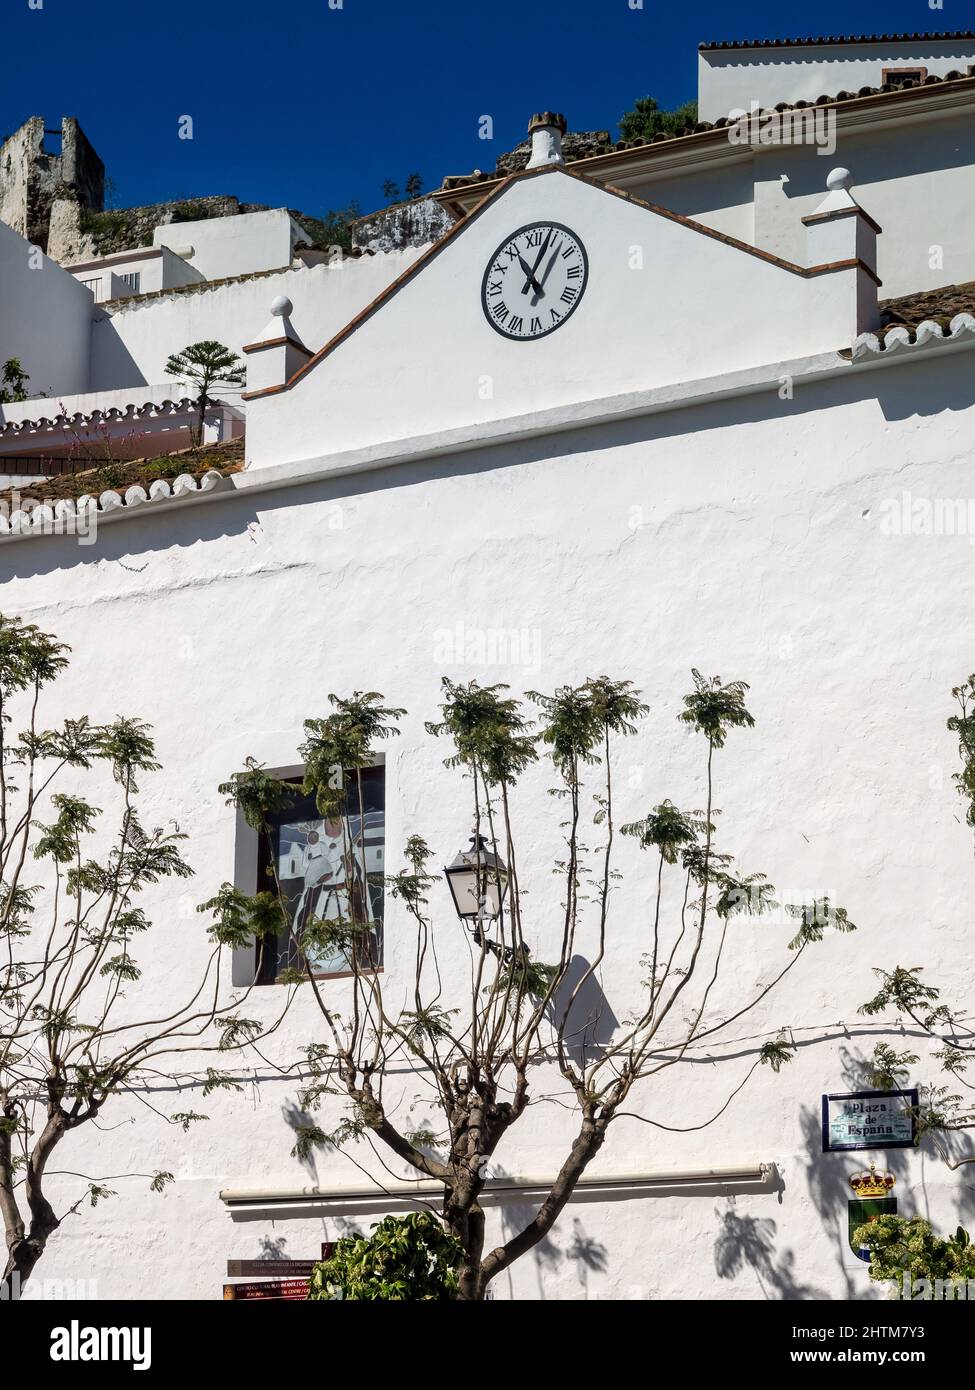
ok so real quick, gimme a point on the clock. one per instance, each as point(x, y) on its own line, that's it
point(534, 281)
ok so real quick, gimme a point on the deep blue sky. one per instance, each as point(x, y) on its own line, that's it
point(297, 104)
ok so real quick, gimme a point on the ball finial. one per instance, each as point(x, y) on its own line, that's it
point(282, 306)
point(837, 179)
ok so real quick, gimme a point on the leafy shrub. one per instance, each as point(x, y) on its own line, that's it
point(409, 1259)
point(902, 1245)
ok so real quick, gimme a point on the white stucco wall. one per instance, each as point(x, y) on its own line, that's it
point(913, 176)
point(158, 269)
point(742, 537)
point(653, 283)
point(132, 343)
point(45, 318)
point(729, 78)
point(238, 245)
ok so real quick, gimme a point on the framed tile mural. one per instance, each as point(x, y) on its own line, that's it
point(328, 871)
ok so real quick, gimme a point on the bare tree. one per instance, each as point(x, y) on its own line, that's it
point(69, 919)
point(481, 1042)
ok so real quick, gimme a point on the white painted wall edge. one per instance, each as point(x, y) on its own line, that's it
point(677, 396)
point(631, 405)
point(246, 1204)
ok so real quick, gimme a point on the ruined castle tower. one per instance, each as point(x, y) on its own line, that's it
point(41, 167)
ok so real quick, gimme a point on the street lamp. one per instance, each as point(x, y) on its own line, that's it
point(478, 882)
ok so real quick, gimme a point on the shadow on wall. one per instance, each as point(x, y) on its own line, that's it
point(828, 1174)
point(297, 1119)
point(937, 384)
point(748, 1242)
point(580, 1257)
point(589, 1020)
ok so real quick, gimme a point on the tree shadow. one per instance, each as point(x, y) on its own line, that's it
point(296, 1118)
point(749, 1241)
point(828, 1174)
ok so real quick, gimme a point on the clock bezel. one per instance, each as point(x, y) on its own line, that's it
point(528, 227)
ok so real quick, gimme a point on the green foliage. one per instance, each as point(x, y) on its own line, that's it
point(411, 885)
point(776, 1054)
point(412, 188)
point(343, 742)
point(487, 729)
point(526, 976)
point(814, 918)
point(713, 708)
point(408, 1259)
point(241, 919)
point(645, 119)
point(963, 724)
point(29, 658)
point(667, 829)
point(333, 228)
point(206, 365)
point(902, 1245)
point(257, 794)
point(890, 1070)
point(750, 893)
point(576, 720)
point(14, 379)
point(904, 990)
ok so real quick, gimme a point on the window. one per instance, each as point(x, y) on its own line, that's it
point(901, 74)
point(328, 871)
point(132, 279)
point(93, 285)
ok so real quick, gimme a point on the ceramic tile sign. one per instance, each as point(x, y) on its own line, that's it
point(869, 1120)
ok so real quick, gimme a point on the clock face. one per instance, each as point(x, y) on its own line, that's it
point(534, 281)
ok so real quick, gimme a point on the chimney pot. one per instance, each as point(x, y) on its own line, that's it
point(546, 129)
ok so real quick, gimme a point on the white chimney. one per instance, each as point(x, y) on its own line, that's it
point(546, 129)
point(275, 356)
point(840, 231)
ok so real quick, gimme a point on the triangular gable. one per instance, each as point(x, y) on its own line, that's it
point(666, 299)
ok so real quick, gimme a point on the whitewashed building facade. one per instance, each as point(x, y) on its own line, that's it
point(713, 454)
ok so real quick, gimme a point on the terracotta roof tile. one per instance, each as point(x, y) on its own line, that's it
point(936, 306)
point(824, 39)
point(900, 88)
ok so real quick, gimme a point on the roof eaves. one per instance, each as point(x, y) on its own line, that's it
point(707, 131)
point(824, 40)
point(68, 515)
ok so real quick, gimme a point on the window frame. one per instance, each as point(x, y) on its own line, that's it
point(249, 861)
point(911, 70)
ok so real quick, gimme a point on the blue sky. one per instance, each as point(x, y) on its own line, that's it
point(303, 105)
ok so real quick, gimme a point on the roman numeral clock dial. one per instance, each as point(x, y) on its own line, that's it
point(534, 281)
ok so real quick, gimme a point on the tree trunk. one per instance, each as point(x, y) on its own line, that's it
point(466, 1222)
point(21, 1259)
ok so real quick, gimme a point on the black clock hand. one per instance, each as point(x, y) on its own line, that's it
point(531, 281)
point(540, 291)
point(538, 260)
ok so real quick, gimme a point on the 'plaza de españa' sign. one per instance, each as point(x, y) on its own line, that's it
point(869, 1120)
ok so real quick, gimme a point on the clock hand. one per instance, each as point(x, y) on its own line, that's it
point(531, 277)
point(540, 289)
point(538, 260)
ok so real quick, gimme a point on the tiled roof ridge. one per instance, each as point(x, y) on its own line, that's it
point(170, 406)
point(48, 520)
point(896, 337)
point(911, 320)
point(453, 182)
point(821, 40)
